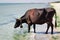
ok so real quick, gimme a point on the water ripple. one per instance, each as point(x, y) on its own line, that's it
point(7, 22)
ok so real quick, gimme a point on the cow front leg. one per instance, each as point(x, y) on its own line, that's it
point(34, 28)
point(29, 28)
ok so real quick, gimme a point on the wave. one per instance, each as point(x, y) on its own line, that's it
point(7, 22)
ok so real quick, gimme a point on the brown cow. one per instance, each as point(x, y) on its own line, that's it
point(37, 16)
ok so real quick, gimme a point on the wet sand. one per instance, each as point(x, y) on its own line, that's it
point(40, 35)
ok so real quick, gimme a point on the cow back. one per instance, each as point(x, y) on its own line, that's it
point(36, 14)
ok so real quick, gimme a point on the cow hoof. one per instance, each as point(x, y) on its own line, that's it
point(51, 33)
point(46, 33)
point(28, 31)
point(34, 32)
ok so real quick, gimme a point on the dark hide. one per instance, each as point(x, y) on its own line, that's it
point(39, 16)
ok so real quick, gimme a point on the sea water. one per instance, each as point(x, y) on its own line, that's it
point(8, 13)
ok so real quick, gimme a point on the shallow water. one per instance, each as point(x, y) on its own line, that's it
point(8, 13)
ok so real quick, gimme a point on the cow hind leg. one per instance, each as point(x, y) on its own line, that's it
point(48, 25)
point(51, 28)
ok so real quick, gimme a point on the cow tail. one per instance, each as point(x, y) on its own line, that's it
point(55, 19)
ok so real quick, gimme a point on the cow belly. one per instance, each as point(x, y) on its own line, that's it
point(40, 22)
point(34, 18)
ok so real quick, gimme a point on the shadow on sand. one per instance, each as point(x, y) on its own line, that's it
point(48, 32)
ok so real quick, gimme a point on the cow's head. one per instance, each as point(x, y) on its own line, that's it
point(18, 23)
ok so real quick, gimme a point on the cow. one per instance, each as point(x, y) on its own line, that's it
point(37, 16)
